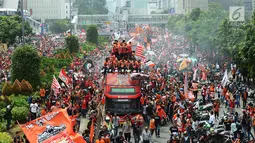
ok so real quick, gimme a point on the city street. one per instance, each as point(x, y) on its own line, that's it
point(164, 131)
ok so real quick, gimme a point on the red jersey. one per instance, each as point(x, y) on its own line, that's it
point(84, 104)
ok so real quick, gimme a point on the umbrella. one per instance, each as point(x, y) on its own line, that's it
point(184, 55)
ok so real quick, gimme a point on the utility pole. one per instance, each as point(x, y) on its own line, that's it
point(22, 16)
point(70, 14)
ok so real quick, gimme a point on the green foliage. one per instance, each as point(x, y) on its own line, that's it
point(26, 65)
point(88, 46)
point(20, 100)
point(20, 113)
point(4, 101)
point(16, 87)
point(2, 124)
point(7, 89)
point(72, 43)
point(238, 43)
point(60, 26)
point(199, 27)
point(92, 34)
point(10, 28)
point(52, 66)
point(102, 41)
point(91, 6)
point(5, 138)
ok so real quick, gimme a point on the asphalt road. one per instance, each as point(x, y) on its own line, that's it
point(164, 132)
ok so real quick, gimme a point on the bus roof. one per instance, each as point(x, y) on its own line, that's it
point(116, 79)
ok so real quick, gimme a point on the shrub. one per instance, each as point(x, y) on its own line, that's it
point(16, 87)
point(29, 87)
point(2, 127)
point(2, 112)
point(92, 34)
point(88, 47)
point(5, 138)
point(72, 43)
point(4, 101)
point(24, 87)
point(20, 113)
point(7, 89)
point(26, 65)
point(20, 101)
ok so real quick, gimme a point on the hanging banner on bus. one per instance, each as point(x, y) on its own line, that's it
point(54, 127)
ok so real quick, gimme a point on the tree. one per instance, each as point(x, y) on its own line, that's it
point(204, 26)
point(7, 89)
point(10, 29)
point(72, 43)
point(26, 65)
point(238, 43)
point(60, 26)
point(92, 34)
point(91, 6)
point(16, 87)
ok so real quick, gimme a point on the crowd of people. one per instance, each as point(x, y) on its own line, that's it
point(164, 97)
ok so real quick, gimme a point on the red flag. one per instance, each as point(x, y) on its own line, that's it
point(63, 76)
point(91, 135)
point(139, 50)
point(55, 85)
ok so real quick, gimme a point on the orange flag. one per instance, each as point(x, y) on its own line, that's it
point(91, 131)
point(53, 127)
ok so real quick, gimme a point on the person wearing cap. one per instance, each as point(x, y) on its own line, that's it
point(8, 115)
point(108, 123)
point(146, 135)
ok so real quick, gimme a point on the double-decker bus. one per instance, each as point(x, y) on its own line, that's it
point(122, 94)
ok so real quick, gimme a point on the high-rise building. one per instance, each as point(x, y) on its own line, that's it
point(11, 4)
point(139, 6)
point(49, 9)
point(186, 6)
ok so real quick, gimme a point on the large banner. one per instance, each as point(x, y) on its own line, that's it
point(54, 127)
